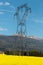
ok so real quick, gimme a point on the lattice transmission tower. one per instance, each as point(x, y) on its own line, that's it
point(21, 17)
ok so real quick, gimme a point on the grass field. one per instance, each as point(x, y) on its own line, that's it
point(20, 60)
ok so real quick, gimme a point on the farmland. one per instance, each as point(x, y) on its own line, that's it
point(20, 60)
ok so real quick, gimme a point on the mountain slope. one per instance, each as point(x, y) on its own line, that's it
point(17, 42)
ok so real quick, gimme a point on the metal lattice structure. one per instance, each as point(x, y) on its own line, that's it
point(21, 23)
point(21, 17)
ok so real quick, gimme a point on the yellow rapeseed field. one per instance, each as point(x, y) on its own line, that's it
point(20, 60)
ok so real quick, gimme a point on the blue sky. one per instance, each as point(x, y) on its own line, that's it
point(34, 21)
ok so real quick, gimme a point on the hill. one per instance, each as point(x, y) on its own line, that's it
point(17, 42)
